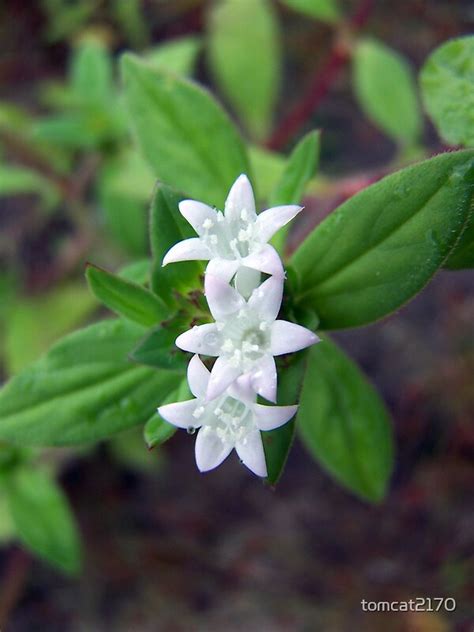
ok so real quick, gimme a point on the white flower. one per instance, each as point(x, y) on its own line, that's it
point(231, 421)
point(234, 239)
point(245, 336)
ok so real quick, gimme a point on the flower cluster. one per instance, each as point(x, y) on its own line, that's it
point(245, 335)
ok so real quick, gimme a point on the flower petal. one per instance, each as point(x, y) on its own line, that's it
point(240, 198)
point(264, 378)
point(250, 451)
point(180, 414)
point(222, 376)
point(210, 450)
point(271, 417)
point(288, 337)
point(242, 389)
point(187, 250)
point(266, 299)
point(223, 300)
point(198, 377)
point(196, 214)
point(223, 268)
point(266, 260)
point(246, 280)
point(271, 220)
point(203, 339)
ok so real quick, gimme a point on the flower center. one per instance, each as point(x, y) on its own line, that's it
point(244, 342)
point(230, 419)
point(229, 239)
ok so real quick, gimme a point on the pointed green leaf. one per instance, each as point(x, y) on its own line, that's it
point(325, 10)
point(344, 424)
point(447, 84)
point(277, 443)
point(380, 248)
point(158, 347)
point(126, 298)
point(187, 138)
point(43, 519)
point(167, 227)
point(34, 323)
point(177, 55)
point(83, 390)
point(462, 255)
point(300, 168)
point(157, 430)
point(91, 72)
point(244, 54)
point(386, 90)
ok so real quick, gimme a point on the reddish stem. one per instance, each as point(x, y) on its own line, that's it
point(322, 80)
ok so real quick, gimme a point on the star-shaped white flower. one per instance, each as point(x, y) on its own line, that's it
point(234, 239)
point(245, 336)
point(231, 421)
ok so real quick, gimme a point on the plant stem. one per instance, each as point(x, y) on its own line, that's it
point(323, 79)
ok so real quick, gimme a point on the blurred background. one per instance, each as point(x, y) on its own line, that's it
point(166, 548)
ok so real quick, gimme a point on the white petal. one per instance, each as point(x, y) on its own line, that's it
point(223, 268)
point(203, 339)
point(187, 250)
point(266, 260)
point(222, 376)
point(198, 377)
point(271, 417)
point(242, 389)
point(288, 337)
point(180, 414)
point(223, 300)
point(266, 299)
point(246, 280)
point(271, 220)
point(251, 453)
point(196, 213)
point(264, 378)
point(210, 450)
point(240, 198)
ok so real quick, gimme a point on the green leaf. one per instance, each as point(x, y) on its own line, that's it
point(43, 519)
point(125, 189)
point(325, 10)
point(277, 443)
point(462, 255)
point(158, 347)
point(7, 528)
point(244, 54)
point(177, 55)
point(33, 324)
point(300, 168)
point(447, 85)
point(91, 72)
point(380, 248)
point(133, 21)
point(137, 271)
point(386, 90)
point(126, 298)
point(83, 390)
point(20, 180)
point(68, 130)
point(268, 167)
point(157, 430)
point(184, 134)
point(344, 424)
point(167, 227)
